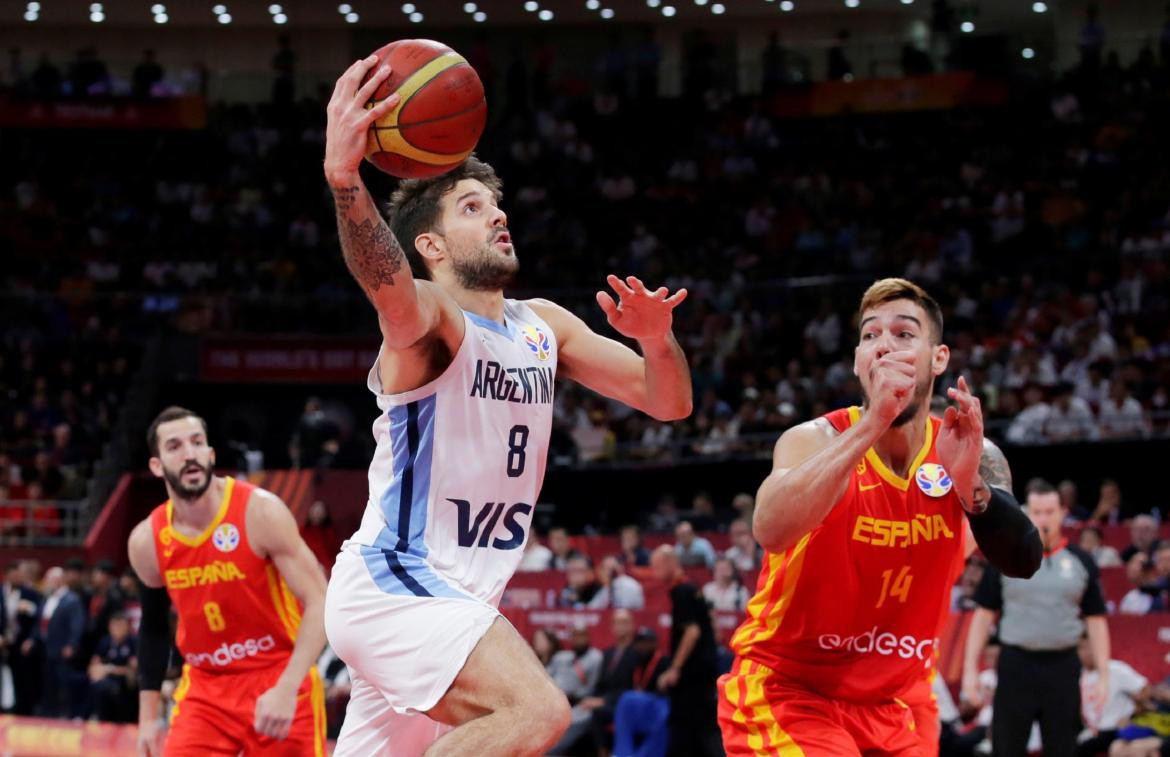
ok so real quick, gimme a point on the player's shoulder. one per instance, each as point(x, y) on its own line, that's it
point(140, 549)
point(264, 505)
point(548, 310)
point(818, 432)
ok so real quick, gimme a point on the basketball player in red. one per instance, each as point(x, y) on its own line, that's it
point(863, 519)
point(249, 596)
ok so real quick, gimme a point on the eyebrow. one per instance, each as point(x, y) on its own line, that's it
point(465, 195)
point(900, 316)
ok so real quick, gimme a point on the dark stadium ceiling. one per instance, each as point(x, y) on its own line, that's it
point(487, 13)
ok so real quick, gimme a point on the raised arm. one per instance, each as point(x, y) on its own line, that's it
point(407, 310)
point(657, 382)
point(272, 532)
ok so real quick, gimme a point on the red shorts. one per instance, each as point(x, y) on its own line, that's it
point(924, 707)
point(215, 714)
point(761, 713)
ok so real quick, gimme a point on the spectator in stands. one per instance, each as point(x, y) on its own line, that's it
point(617, 589)
point(618, 664)
point(113, 670)
point(1152, 576)
point(1069, 418)
point(702, 516)
point(744, 506)
point(963, 592)
point(693, 550)
point(576, 671)
point(1143, 537)
point(545, 644)
point(537, 557)
point(131, 598)
point(22, 612)
point(642, 716)
point(633, 554)
point(744, 553)
point(562, 549)
point(75, 573)
point(1093, 541)
point(1028, 427)
point(319, 534)
point(1092, 41)
point(1121, 416)
point(665, 516)
point(62, 625)
point(1127, 688)
point(1067, 489)
point(1108, 509)
point(146, 75)
point(583, 586)
point(105, 600)
point(316, 440)
point(724, 591)
point(690, 679)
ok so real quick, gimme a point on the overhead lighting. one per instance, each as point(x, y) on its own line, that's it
point(545, 15)
point(531, 6)
point(718, 9)
point(97, 17)
point(852, 3)
point(592, 4)
point(225, 18)
point(1039, 7)
point(156, 9)
point(967, 27)
point(408, 8)
point(33, 6)
point(275, 9)
point(907, 2)
point(787, 6)
point(345, 9)
point(161, 18)
point(280, 18)
point(653, 3)
point(219, 10)
point(669, 11)
point(351, 18)
point(607, 13)
point(30, 16)
point(416, 17)
point(700, 2)
point(1028, 53)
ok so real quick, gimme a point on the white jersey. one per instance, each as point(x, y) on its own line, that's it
point(459, 464)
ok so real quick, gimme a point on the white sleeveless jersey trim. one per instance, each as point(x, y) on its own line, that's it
point(459, 464)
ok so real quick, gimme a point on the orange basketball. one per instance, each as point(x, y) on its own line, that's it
point(440, 118)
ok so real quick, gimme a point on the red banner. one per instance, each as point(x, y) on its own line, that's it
point(49, 738)
point(164, 113)
point(268, 359)
point(911, 93)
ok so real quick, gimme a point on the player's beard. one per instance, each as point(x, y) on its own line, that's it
point(921, 393)
point(486, 269)
point(175, 479)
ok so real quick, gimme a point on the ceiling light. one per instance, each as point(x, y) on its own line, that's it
point(787, 5)
point(219, 10)
point(852, 3)
point(225, 18)
point(97, 17)
point(1039, 7)
point(470, 8)
point(668, 10)
point(416, 17)
point(479, 17)
point(653, 3)
point(592, 4)
point(1028, 53)
point(408, 8)
point(607, 13)
point(30, 15)
point(345, 9)
point(274, 9)
point(545, 15)
point(531, 6)
point(967, 27)
point(280, 18)
point(156, 9)
point(161, 18)
point(351, 17)
point(34, 7)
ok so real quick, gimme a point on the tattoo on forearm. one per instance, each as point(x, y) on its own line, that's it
point(344, 197)
point(993, 467)
point(371, 252)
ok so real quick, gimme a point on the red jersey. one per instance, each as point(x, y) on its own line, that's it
point(236, 614)
point(852, 610)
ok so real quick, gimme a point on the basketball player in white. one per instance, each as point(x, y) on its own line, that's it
point(464, 382)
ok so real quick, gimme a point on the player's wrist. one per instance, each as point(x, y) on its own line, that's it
point(341, 178)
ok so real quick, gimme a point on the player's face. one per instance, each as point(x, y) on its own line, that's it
point(184, 459)
point(897, 326)
point(478, 244)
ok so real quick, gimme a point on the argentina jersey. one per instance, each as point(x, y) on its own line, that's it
point(459, 463)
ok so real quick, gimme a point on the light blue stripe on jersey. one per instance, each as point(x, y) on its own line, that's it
point(491, 325)
point(397, 561)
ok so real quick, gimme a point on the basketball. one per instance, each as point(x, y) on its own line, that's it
point(440, 118)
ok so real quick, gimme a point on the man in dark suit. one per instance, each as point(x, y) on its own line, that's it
point(62, 624)
point(617, 675)
point(19, 611)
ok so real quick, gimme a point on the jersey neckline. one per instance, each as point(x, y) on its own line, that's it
point(228, 489)
point(887, 475)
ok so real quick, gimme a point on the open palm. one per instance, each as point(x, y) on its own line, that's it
point(639, 313)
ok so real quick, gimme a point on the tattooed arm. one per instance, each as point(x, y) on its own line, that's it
point(407, 310)
point(993, 471)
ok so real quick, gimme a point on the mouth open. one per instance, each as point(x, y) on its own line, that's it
point(504, 239)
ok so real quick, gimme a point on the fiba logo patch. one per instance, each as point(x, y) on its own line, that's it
point(538, 342)
point(933, 479)
point(226, 538)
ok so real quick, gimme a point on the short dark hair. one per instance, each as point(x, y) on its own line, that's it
point(414, 207)
point(888, 290)
point(1093, 529)
point(172, 413)
point(1040, 486)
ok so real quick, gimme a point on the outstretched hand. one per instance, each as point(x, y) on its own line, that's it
point(960, 440)
point(350, 116)
point(639, 313)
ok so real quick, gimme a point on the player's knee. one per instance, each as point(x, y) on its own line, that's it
point(547, 711)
